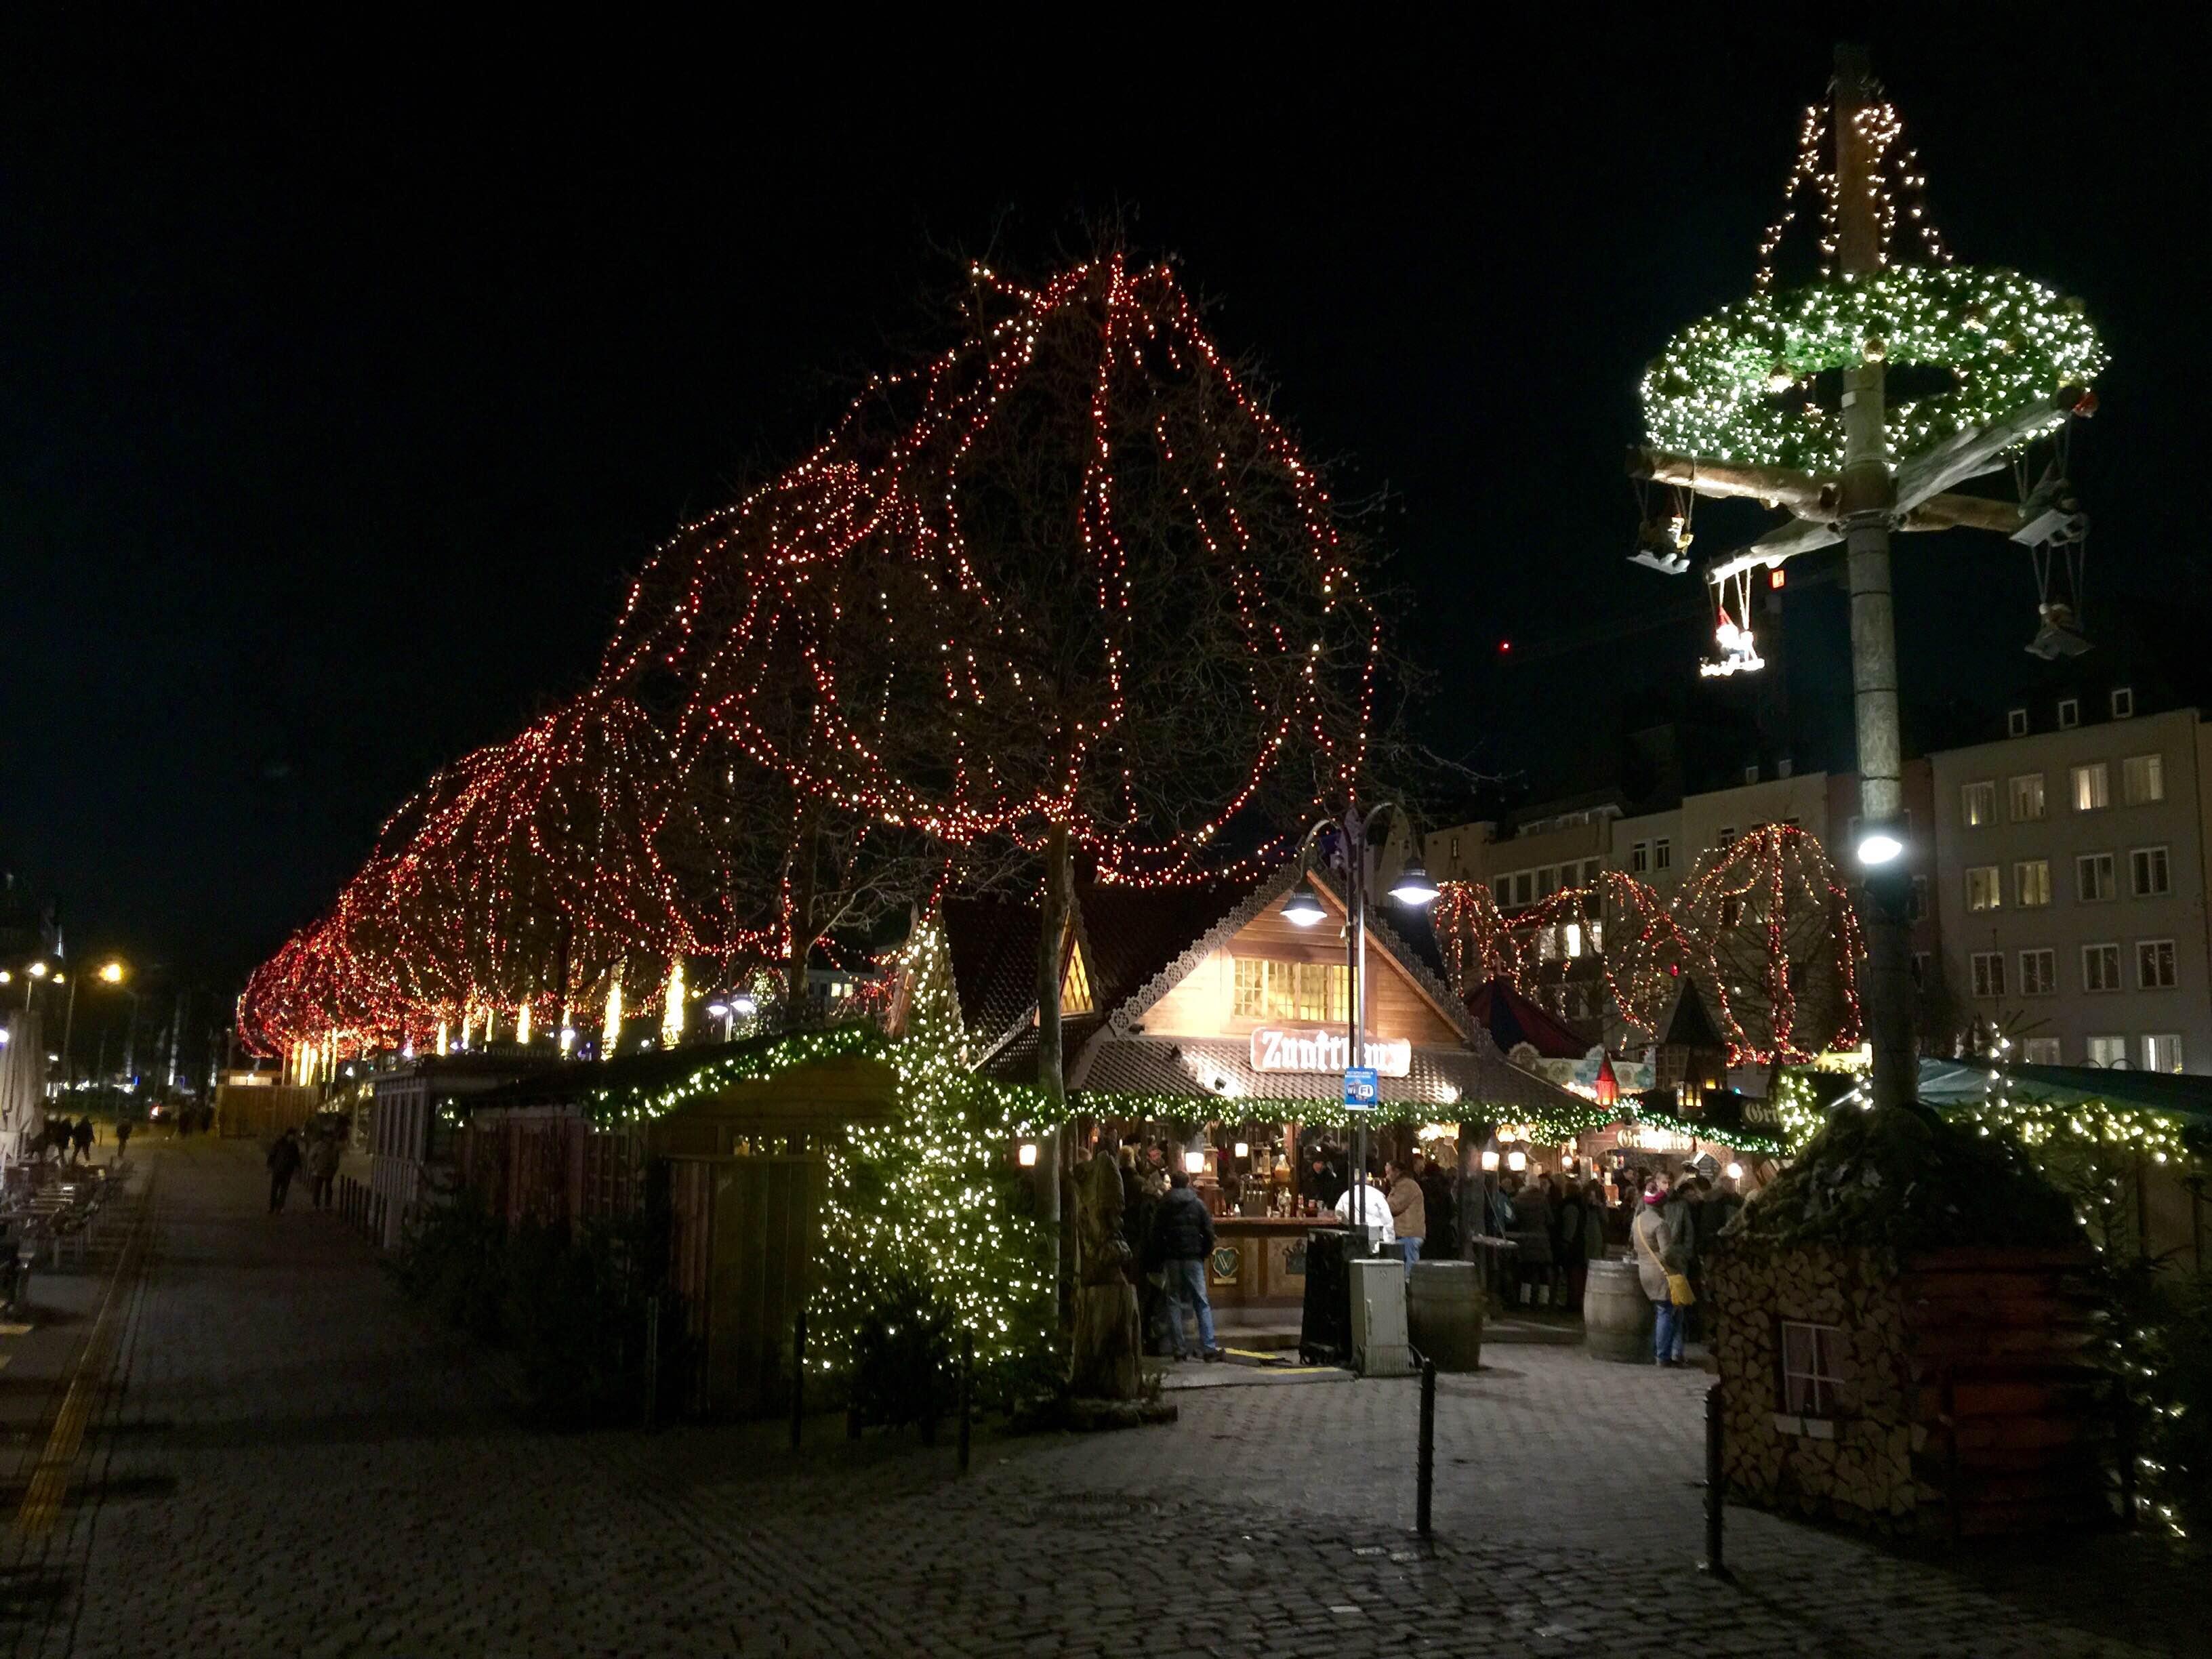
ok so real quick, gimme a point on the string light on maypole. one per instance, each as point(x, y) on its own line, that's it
point(1737, 405)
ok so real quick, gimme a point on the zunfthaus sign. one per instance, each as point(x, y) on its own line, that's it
point(1310, 1050)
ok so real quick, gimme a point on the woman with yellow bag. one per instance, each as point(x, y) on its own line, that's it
point(1659, 1264)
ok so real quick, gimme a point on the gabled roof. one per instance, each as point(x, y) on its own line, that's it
point(1511, 1019)
point(1693, 1025)
point(1128, 937)
point(1382, 934)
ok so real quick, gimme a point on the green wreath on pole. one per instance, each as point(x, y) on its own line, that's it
point(1731, 387)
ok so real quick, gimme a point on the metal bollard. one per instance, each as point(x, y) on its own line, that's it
point(967, 1393)
point(798, 1376)
point(652, 1359)
point(1428, 1453)
point(1716, 1483)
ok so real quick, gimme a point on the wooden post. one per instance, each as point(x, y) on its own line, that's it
point(1867, 502)
point(967, 1395)
point(798, 1376)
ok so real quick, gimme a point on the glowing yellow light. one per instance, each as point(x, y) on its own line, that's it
point(112, 973)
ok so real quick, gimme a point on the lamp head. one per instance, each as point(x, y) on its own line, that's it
point(1878, 844)
point(1304, 907)
point(38, 970)
point(1415, 887)
point(718, 1010)
point(743, 1005)
point(112, 973)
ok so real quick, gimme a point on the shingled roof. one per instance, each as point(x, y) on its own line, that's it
point(1129, 937)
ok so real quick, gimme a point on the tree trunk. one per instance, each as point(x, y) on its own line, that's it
point(802, 911)
point(1052, 1075)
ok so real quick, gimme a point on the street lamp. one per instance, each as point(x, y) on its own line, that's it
point(112, 972)
point(1303, 908)
point(1878, 844)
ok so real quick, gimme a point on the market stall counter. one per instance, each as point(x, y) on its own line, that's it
point(1258, 1272)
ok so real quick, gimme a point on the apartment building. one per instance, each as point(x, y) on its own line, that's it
point(2071, 878)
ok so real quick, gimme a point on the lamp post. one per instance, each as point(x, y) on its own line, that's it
point(1303, 908)
point(111, 972)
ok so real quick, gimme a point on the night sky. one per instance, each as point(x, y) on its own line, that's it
point(343, 382)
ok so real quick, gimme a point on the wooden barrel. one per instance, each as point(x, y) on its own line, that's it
point(1443, 1312)
point(1616, 1314)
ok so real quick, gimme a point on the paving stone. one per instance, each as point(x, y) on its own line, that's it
point(336, 1478)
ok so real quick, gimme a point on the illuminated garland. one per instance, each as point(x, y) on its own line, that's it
point(1735, 386)
point(848, 646)
point(1758, 925)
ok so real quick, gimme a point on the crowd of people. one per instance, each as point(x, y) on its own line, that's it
point(1558, 1223)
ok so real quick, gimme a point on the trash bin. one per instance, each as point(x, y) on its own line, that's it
point(1325, 1325)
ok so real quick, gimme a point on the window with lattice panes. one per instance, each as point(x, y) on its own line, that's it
point(2026, 792)
point(1989, 973)
point(1323, 990)
point(1249, 976)
point(1812, 1363)
point(1075, 983)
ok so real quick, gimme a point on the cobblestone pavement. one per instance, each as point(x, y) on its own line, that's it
point(289, 1461)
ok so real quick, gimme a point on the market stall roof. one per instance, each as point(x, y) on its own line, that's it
point(1126, 936)
point(1453, 1083)
point(1692, 1026)
point(2183, 1094)
point(813, 1096)
point(1512, 1019)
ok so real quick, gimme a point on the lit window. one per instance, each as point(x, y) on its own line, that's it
point(1989, 973)
point(2161, 1051)
point(2027, 795)
point(2031, 880)
point(2154, 964)
point(2092, 787)
point(1248, 1000)
point(1811, 1369)
point(2092, 878)
point(2148, 874)
point(2016, 722)
point(2039, 973)
point(1984, 888)
point(2124, 708)
point(1640, 857)
point(1662, 853)
point(2041, 1051)
point(1075, 984)
point(2111, 1051)
point(1977, 804)
point(1572, 937)
point(2069, 713)
point(1322, 990)
point(2142, 779)
point(1455, 851)
point(2100, 967)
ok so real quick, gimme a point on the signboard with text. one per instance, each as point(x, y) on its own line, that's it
point(1277, 1050)
point(1361, 1089)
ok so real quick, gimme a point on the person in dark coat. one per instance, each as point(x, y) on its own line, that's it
point(284, 1165)
point(1532, 1235)
point(1444, 1229)
point(1183, 1236)
point(81, 1140)
point(1573, 1244)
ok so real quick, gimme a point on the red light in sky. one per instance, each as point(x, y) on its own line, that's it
point(1505, 645)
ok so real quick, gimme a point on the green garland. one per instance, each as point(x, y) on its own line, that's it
point(1710, 394)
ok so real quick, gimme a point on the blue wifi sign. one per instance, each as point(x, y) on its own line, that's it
point(1361, 1088)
